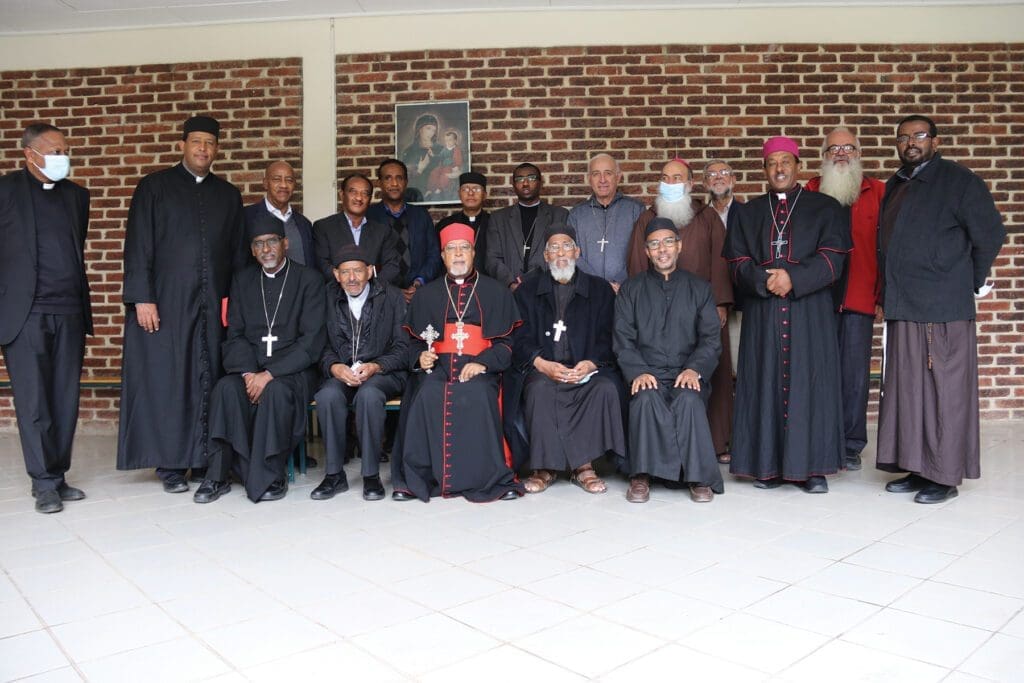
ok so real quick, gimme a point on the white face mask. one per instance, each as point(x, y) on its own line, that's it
point(55, 166)
point(672, 192)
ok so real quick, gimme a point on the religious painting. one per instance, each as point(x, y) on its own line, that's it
point(432, 138)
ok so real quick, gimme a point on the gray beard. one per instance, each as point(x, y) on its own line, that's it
point(842, 184)
point(680, 213)
point(563, 275)
point(718, 196)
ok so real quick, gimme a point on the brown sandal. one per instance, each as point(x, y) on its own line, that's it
point(586, 478)
point(539, 481)
point(724, 458)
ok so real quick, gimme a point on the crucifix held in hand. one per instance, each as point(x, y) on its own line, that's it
point(430, 336)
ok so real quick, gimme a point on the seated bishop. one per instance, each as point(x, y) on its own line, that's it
point(274, 340)
point(450, 436)
point(667, 343)
point(563, 353)
point(364, 364)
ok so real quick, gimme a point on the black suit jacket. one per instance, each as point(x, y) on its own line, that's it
point(254, 211)
point(19, 256)
point(379, 242)
point(505, 240)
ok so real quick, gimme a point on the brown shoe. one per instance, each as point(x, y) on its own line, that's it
point(639, 489)
point(724, 458)
point(701, 494)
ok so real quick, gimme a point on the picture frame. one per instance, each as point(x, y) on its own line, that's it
point(433, 139)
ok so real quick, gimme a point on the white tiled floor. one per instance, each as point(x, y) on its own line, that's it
point(133, 584)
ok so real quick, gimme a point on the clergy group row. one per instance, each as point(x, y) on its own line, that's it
point(524, 344)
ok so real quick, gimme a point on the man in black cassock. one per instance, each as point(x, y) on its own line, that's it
point(563, 360)
point(364, 364)
point(451, 435)
point(274, 341)
point(785, 250)
point(667, 340)
point(472, 196)
point(184, 239)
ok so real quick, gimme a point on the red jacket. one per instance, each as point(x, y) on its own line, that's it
point(861, 272)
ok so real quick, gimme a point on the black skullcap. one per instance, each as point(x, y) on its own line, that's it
point(559, 229)
point(660, 224)
point(201, 124)
point(264, 224)
point(472, 177)
point(349, 252)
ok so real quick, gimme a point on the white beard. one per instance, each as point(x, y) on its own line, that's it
point(680, 213)
point(842, 183)
point(563, 275)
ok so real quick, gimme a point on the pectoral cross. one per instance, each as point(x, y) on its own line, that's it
point(778, 244)
point(270, 339)
point(460, 335)
point(559, 328)
point(430, 336)
point(602, 242)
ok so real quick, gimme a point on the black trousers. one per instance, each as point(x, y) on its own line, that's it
point(332, 408)
point(45, 365)
point(855, 331)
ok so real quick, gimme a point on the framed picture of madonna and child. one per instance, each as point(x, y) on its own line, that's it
point(432, 138)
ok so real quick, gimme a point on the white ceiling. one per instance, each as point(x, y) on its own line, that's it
point(59, 16)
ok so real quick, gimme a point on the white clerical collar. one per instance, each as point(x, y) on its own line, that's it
point(49, 186)
point(355, 303)
point(274, 211)
point(276, 272)
point(199, 179)
point(530, 206)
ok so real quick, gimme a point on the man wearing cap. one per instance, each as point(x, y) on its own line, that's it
point(563, 362)
point(184, 239)
point(786, 249)
point(604, 222)
point(351, 226)
point(450, 438)
point(274, 341)
point(667, 342)
point(515, 236)
point(472, 195)
point(279, 183)
point(939, 233)
point(363, 364)
point(419, 256)
point(44, 307)
point(842, 178)
point(702, 236)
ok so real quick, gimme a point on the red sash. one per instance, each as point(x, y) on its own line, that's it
point(471, 345)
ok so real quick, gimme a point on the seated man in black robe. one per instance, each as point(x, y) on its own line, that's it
point(274, 340)
point(570, 384)
point(451, 437)
point(667, 342)
point(364, 364)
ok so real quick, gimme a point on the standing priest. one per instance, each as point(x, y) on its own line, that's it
point(451, 436)
point(275, 337)
point(786, 249)
point(667, 342)
point(563, 355)
point(184, 239)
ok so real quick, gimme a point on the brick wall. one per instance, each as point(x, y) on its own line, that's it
point(124, 122)
point(558, 106)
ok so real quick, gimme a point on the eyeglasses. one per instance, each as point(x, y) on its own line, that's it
point(271, 242)
point(453, 247)
point(471, 189)
point(714, 175)
point(532, 178)
point(654, 245)
point(359, 193)
point(845, 149)
point(919, 135)
point(556, 248)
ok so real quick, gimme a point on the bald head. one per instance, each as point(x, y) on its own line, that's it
point(604, 176)
point(279, 184)
point(675, 172)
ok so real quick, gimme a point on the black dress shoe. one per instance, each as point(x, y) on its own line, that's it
point(372, 488)
point(852, 461)
point(70, 493)
point(773, 483)
point(911, 482)
point(402, 495)
point(331, 485)
point(210, 491)
point(275, 492)
point(816, 485)
point(175, 483)
point(509, 495)
point(935, 493)
point(48, 502)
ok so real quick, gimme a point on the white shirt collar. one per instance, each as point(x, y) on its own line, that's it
point(275, 212)
point(355, 303)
